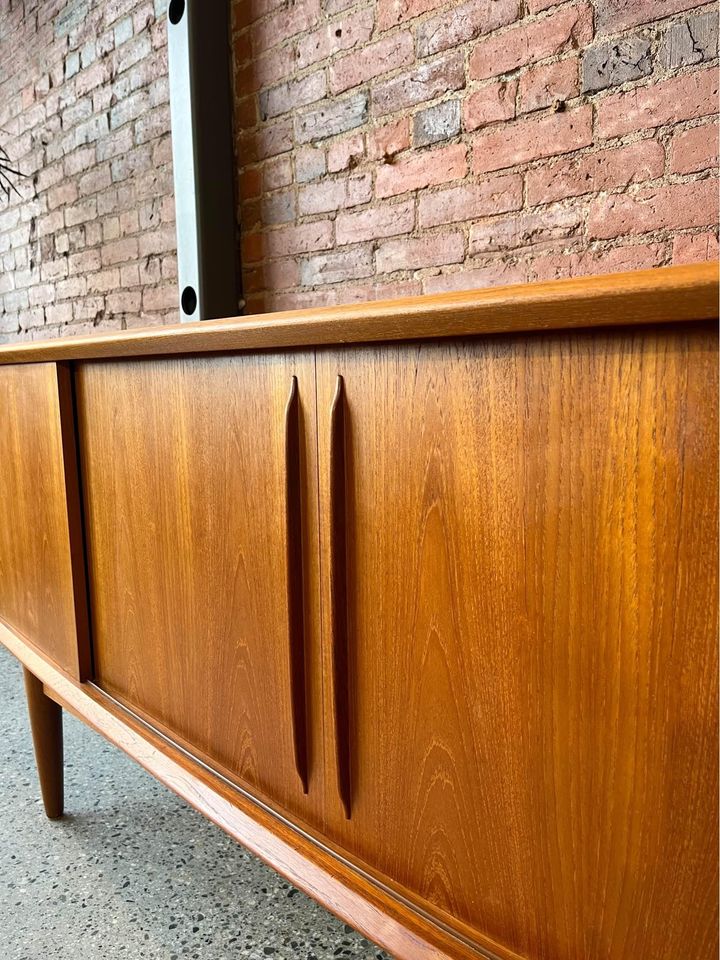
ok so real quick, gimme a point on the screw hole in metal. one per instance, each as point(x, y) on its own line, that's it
point(176, 10)
point(188, 301)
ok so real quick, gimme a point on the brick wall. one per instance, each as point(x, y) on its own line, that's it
point(384, 148)
point(405, 146)
point(90, 242)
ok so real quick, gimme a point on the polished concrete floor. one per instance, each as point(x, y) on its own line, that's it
point(131, 871)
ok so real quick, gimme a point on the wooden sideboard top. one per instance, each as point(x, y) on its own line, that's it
point(666, 294)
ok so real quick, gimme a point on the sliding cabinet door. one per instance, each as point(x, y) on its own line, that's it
point(42, 577)
point(519, 559)
point(196, 474)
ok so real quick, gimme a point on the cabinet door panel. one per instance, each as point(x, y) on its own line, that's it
point(42, 576)
point(185, 479)
point(531, 663)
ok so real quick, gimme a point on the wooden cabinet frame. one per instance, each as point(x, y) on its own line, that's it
point(311, 829)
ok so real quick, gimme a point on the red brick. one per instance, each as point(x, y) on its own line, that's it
point(344, 34)
point(327, 196)
point(616, 15)
point(532, 139)
point(426, 169)
point(424, 82)
point(371, 61)
point(387, 141)
point(286, 241)
point(554, 266)
point(250, 183)
point(388, 220)
point(566, 29)
point(339, 266)
point(119, 251)
point(695, 149)
point(291, 95)
point(274, 275)
point(392, 12)
point(283, 24)
point(346, 153)
point(695, 248)
point(669, 101)
point(525, 230)
point(655, 208)
point(548, 83)
point(465, 22)
point(593, 172)
point(493, 102)
point(470, 201)
point(495, 274)
point(415, 253)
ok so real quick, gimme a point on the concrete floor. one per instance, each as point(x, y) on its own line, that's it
point(131, 871)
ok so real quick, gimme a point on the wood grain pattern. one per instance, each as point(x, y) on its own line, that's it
point(42, 577)
point(315, 871)
point(668, 294)
point(532, 587)
point(184, 463)
point(47, 733)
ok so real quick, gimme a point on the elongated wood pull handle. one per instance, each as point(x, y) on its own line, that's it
point(338, 595)
point(295, 591)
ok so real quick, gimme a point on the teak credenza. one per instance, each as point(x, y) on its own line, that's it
point(417, 600)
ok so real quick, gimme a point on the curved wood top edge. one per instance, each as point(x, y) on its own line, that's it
point(348, 894)
point(660, 295)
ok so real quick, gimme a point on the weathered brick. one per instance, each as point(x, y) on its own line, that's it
point(615, 15)
point(346, 153)
point(440, 122)
point(471, 201)
point(353, 29)
point(593, 172)
point(525, 43)
point(331, 118)
point(695, 149)
point(343, 265)
point(385, 142)
point(492, 102)
point(284, 242)
point(119, 251)
point(388, 220)
point(695, 248)
point(496, 273)
point(286, 22)
point(548, 83)
point(330, 195)
point(532, 139)
point(467, 21)
point(432, 250)
point(289, 96)
point(526, 229)
point(423, 83)
point(690, 41)
point(278, 207)
point(310, 163)
point(553, 266)
point(422, 170)
point(616, 61)
point(371, 61)
point(392, 12)
point(672, 206)
point(669, 101)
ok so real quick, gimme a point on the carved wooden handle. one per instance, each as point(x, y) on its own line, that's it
point(338, 595)
point(295, 591)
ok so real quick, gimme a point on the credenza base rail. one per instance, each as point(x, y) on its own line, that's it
point(343, 890)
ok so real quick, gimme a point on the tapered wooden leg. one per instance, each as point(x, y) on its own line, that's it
point(46, 725)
